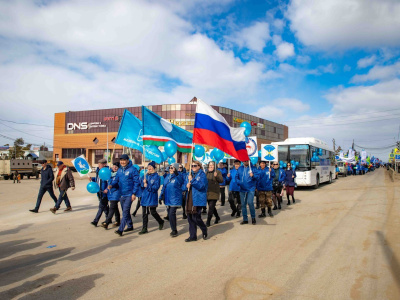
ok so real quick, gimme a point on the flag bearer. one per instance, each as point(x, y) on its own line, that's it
point(264, 187)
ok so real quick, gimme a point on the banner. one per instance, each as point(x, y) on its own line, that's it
point(153, 153)
point(269, 152)
point(81, 165)
point(130, 132)
point(251, 146)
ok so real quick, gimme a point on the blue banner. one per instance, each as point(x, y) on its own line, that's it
point(153, 153)
point(130, 132)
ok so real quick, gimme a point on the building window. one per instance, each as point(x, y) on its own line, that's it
point(73, 152)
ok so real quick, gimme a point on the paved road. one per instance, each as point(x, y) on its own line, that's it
point(338, 242)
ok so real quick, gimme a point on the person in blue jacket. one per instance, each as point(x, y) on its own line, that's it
point(277, 184)
point(196, 200)
point(289, 182)
point(264, 188)
point(140, 191)
point(113, 196)
point(234, 191)
point(128, 183)
point(150, 186)
point(172, 194)
point(223, 169)
point(246, 177)
point(185, 175)
point(102, 194)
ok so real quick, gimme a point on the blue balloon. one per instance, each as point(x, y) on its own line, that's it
point(136, 167)
point(142, 173)
point(164, 156)
point(320, 152)
point(171, 160)
point(218, 154)
point(93, 187)
point(281, 162)
point(284, 165)
point(247, 127)
point(254, 160)
point(170, 148)
point(199, 151)
point(259, 153)
point(105, 174)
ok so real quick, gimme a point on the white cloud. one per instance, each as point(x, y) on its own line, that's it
point(253, 37)
point(303, 59)
point(366, 62)
point(379, 73)
point(344, 24)
point(280, 107)
point(284, 50)
point(346, 68)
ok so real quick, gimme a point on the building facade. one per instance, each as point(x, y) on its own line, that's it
point(92, 132)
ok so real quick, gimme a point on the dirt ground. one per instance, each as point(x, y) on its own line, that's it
point(340, 241)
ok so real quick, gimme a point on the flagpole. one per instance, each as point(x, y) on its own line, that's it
point(144, 156)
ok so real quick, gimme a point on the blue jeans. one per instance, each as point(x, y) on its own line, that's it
point(42, 191)
point(63, 196)
point(247, 198)
point(126, 203)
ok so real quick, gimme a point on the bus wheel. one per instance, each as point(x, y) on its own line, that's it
point(317, 182)
point(22, 176)
point(330, 177)
point(29, 176)
point(37, 176)
point(6, 177)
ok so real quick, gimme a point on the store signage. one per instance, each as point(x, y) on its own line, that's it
point(190, 114)
point(81, 126)
point(181, 122)
point(259, 125)
point(115, 118)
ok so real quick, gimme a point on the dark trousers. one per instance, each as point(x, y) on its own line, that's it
point(42, 191)
point(234, 202)
point(63, 196)
point(194, 221)
point(257, 199)
point(114, 211)
point(153, 212)
point(222, 190)
point(172, 216)
point(212, 210)
point(103, 207)
point(137, 206)
point(184, 202)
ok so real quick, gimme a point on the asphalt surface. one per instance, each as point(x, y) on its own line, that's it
point(340, 241)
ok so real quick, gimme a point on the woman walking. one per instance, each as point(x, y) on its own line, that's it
point(214, 178)
point(172, 195)
point(113, 197)
point(150, 185)
point(196, 200)
point(289, 182)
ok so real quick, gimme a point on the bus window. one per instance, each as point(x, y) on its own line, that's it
point(283, 153)
point(301, 154)
point(312, 150)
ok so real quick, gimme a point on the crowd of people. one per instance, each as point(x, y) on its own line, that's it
point(196, 192)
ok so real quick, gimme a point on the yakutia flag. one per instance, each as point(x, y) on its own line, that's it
point(157, 131)
point(210, 128)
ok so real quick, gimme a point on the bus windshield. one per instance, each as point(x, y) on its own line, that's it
point(301, 154)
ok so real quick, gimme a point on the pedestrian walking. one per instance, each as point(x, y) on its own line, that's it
point(214, 178)
point(264, 188)
point(234, 190)
point(139, 196)
point(172, 194)
point(113, 196)
point(224, 172)
point(150, 185)
point(246, 177)
point(196, 199)
point(277, 184)
point(63, 181)
point(128, 183)
point(184, 174)
point(289, 182)
point(17, 177)
point(46, 185)
point(102, 193)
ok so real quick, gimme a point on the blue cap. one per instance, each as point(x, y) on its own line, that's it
point(153, 164)
point(59, 163)
point(124, 157)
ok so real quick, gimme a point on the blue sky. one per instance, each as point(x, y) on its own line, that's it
point(328, 69)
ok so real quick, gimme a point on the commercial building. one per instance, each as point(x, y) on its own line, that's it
point(91, 132)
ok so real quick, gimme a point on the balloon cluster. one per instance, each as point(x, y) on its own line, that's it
point(104, 174)
point(247, 128)
point(282, 165)
point(295, 164)
point(316, 154)
point(217, 154)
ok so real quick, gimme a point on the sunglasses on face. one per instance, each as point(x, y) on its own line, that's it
point(195, 166)
point(274, 164)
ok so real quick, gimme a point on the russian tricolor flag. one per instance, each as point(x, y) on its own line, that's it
point(210, 128)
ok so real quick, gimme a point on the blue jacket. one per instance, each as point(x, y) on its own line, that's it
point(199, 185)
point(141, 188)
point(185, 177)
point(150, 193)
point(172, 190)
point(103, 184)
point(244, 180)
point(127, 180)
point(289, 181)
point(233, 185)
point(46, 177)
point(265, 179)
point(224, 173)
point(113, 194)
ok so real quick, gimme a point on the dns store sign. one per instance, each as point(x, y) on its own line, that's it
point(74, 126)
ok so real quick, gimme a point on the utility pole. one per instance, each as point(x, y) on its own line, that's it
point(334, 146)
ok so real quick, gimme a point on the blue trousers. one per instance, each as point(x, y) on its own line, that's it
point(103, 207)
point(247, 198)
point(126, 203)
point(42, 191)
point(63, 196)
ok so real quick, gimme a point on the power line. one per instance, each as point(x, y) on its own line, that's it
point(25, 132)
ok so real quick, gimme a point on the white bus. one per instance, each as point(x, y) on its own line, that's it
point(309, 172)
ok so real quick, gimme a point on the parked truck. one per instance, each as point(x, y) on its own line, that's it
point(23, 166)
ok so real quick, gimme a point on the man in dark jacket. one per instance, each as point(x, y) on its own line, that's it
point(46, 185)
point(63, 181)
point(102, 194)
point(214, 178)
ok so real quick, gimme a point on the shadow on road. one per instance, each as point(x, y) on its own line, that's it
point(13, 247)
point(15, 230)
point(390, 257)
point(70, 289)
